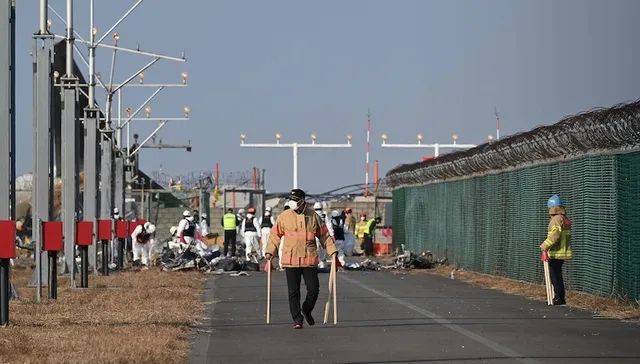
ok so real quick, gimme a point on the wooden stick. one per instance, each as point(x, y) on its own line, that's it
point(328, 303)
point(335, 289)
point(269, 291)
point(547, 283)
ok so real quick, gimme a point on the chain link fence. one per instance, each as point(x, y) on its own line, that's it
point(494, 222)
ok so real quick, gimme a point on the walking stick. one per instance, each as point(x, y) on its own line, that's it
point(328, 303)
point(547, 278)
point(269, 291)
point(335, 289)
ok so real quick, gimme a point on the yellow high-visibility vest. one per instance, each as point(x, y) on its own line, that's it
point(229, 221)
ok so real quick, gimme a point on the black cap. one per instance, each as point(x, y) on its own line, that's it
point(297, 194)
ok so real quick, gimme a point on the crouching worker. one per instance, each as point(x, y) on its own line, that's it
point(299, 226)
point(557, 245)
point(142, 243)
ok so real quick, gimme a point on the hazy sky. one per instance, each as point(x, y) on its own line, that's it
point(296, 67)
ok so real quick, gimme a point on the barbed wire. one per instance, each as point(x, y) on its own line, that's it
point(597, 131)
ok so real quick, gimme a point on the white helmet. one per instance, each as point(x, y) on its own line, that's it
point(116, 211)
point(186, 213)
point(173, 230)
point(268, 209)
point(151, 228)
point(203, 215)
point(317, 206)
point(241, 212)
point(335, 213)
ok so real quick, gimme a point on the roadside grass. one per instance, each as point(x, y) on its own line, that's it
point(600, 306)
point(126, 317)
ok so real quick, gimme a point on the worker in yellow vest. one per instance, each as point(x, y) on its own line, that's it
point(230, 225)
point(369, 233)
point(557, 245)
point(361, 228)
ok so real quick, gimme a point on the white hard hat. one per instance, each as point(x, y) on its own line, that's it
point(116, 211)
point(317, 206)
point(186, 213)
point(151, 229)
point(335, 213)
point(173, 230)
point(203, 215)
point(268, 209)
point(146, 225)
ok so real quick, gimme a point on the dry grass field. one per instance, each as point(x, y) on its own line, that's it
point(127, 317)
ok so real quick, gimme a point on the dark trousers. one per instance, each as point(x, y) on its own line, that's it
point(368, 245)
point(230, 239)
point(555, 272)
point(294, 276)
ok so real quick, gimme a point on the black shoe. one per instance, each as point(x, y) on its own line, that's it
point(559, 302)
point(309, 318)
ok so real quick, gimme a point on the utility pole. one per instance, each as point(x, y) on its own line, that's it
point(294, 147)
point(367, 152)
point(435, 146)
point(43, 161)
point(7, 135)
point(91, 120)
point(69, 161)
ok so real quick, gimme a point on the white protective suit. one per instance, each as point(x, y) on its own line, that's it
point(265, 231)
point(142, 244)
point(322, 252)
point(204, 227)
point(184, 228)
point(251, 237)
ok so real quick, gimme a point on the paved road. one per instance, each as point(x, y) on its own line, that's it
point(389, 318)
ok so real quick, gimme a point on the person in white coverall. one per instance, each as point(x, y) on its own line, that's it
point(266, 223)
point(250, 231)
point(142, 238)
point(322, 253)
point(204, 227)
point(337, 226)
point(187, 232)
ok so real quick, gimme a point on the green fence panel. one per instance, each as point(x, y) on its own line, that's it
point(495, 223)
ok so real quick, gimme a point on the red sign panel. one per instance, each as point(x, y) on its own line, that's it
point(84, 233)
point(52, 240)
point(7, 239)
point(122, 229)
point(104, 229)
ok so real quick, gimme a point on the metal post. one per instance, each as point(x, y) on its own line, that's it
point(43, 162)
point(53, 275)
point(90, 175)
point(69, 152)
point(84, 266)
point(295, 165)
point(106, 197)
point(7, 113)
point(7, 135)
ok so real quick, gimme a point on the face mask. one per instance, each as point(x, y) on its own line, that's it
point(293, 205)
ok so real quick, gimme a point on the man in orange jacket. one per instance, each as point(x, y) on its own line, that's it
point(298, 227)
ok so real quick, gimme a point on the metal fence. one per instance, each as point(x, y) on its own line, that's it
point(494, 222)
